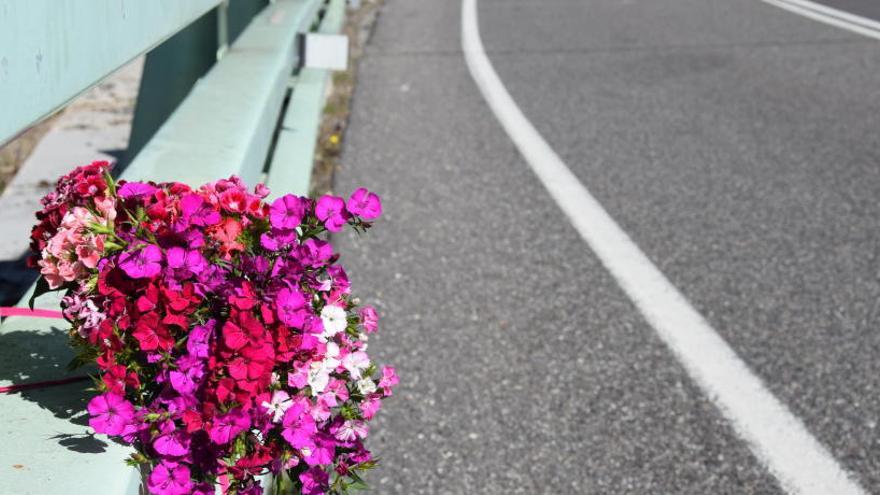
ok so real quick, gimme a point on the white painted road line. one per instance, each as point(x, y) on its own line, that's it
point(828, 15)
point(776, 437)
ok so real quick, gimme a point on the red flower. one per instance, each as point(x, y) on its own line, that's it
point(151, 334)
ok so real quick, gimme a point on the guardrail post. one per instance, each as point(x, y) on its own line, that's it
point(222, 28)
point(172, 68)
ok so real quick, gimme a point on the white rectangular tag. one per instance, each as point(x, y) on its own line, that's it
point(326, 51)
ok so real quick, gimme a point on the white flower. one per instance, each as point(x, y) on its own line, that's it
point(355, 363)
point(334, 319)
point(366, 386)
point(281, 402)
point(319, 374)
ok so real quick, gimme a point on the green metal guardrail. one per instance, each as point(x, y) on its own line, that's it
point(53, 50)
point(223, 126)
point(291, 165)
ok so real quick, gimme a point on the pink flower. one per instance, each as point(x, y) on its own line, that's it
point(365, 204)
point(331, 211)
point(279, 404)
point(106, 207)
point(389, 380)
point(261, 191)
point(287, 211)
point(369, 319)
point(351, 430)
point(234, 200)
point(355, 363)
point(89, 253)
point(170, 479)
point(111, 414)
point(144, 263)
point(49, 271)
point(370, 407)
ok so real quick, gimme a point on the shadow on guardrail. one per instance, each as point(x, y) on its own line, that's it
point(41, 355)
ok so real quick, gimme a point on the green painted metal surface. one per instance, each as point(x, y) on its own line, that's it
point(172, 68)
point(47, 449)
point(170, 71)
point(226, 123)
point(223, 127)
point(53, 50)
point(291, 166)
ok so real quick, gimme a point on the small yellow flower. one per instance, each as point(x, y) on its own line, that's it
point(334, 139)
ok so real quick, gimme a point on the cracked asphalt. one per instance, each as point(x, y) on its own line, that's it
point(735, 142)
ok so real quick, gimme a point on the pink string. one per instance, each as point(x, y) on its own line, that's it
point(48, 383)
point(38, 313)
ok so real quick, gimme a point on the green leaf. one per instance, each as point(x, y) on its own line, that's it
point(365, 466)
point(357, 482)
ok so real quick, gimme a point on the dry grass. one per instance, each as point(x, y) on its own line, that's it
point(358, 26)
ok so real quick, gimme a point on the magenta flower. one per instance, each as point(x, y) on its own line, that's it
point(299, 426)
point(197, 212)
point(167, 479)
point(331, 211)
point(323, 452)
point(290, 304)
point(111, 414)
point(187, 377)
point(190, 260)
point(199, 337)
point(315, 253)
point(365, 204)
point(228, 426)
point(174, 444)
point(144, 263)
point(136, 190)
point(287, 211)
point(315, 481)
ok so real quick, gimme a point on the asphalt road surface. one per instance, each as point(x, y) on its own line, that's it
point(735, 142)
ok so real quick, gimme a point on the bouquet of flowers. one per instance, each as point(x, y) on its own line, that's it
point(226, 337)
